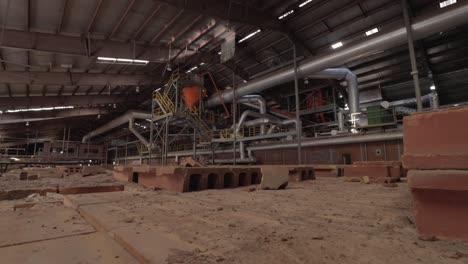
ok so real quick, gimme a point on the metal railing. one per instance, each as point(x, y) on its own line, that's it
point(244, 132)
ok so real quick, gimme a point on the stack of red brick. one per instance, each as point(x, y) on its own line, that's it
point(436, 155)
point(377, 171)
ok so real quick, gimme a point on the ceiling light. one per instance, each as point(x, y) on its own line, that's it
point(447, 3)
point(372, 31)
point(27, 123)
point(125, 60)
point(219, 53)
point(305, 3)
point(286, 14)
point(137, 89)
point(106, 59)
point(141, 61)
point(201, 64)
point(121, 61)
point(250, 35)
point(39, 109)
point(337, 45)
point(433, 87)
point(192, 69)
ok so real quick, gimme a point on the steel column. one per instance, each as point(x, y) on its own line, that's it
point(414, 64)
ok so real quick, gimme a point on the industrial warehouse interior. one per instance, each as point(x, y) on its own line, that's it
point(234, 131)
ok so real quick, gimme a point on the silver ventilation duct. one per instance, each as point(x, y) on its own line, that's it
point(351, 82)
point(422, 27)
point(123, 119)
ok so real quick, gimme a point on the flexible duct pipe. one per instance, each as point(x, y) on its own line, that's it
point(332, 141)
point(405, 110)
point(425, 98)
point(115, 123)
point(422, 27)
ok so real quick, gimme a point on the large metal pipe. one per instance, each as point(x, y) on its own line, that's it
point(351, 80)
point(341, 122)
point(259, 121)
point(422, 27)
point(262, 120)
point(412, 52)
point(248, 113)
point(137, 134)
point(248, 99)
point(123, 119)
point(332, 141)
point(254, 98)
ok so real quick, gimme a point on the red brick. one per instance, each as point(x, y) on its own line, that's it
point(23, 175)
point(436, 140)
point(90, 189)
point(23, 193)
point(372, 171)
point(393, 163)
point(325, 171)
point(186, 179)
point(396, 171)
point(146, 175)
point(440, 200)
point(92, 170)
point(435, 162)
point(395, 167)
point(301, 173)
point(123, 173)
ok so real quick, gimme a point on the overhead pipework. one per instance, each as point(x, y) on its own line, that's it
point(422, 27)
point(351, 82)
point(123, 119)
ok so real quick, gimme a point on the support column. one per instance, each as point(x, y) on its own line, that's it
point(414, 65)
point(298, 108)
point(234, 114)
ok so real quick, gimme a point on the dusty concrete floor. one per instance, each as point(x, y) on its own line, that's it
point(322, 221)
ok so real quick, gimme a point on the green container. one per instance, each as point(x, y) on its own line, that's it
point(377, 115)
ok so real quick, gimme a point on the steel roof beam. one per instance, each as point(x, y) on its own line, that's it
point(77, 46)
point(68, 78)
point(47, 101)
point(237, 12)
point(10, 118)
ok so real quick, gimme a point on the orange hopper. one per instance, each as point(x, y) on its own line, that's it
point(191, 96)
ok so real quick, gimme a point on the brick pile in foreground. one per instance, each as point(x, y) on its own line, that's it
point(436, 155)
